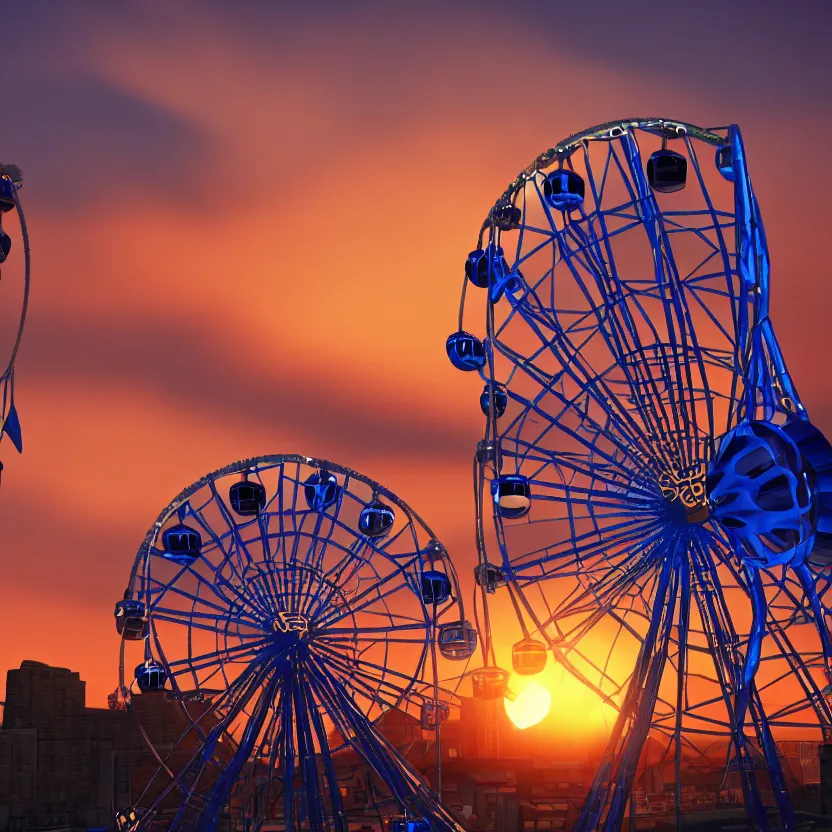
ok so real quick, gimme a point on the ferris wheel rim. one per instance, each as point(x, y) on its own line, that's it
point(608, 131)
point(272, 460)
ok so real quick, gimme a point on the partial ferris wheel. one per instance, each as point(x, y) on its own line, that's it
point(11, 180)
point(661, 504)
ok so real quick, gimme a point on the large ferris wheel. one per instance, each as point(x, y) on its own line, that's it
point(660, 499)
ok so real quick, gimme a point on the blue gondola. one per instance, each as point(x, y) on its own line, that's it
point(151, 677)
point(376, 519)
point(7, 202)
point(181, 543)
point(564, 189)
point(247, 498)
point(506, 216)
point(667, 171)
point(436, 587)
point(500, 399)
point(466, 352)
point(724, 162)
point(321, 490)
point(131, 619)
point(512, 495)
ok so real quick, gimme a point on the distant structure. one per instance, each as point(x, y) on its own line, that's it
point(64, 766)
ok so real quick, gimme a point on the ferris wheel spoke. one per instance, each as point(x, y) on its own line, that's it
point(210, 659)
point(337, 633)
point(585, 437)
point(316, 548)
point(348, 568)
point(725, 649)
point(676, 313)
point(613, 779)
point(602, 597)
point(620, 334)
point(221, 540)
point(695, 288)
point(363, 600)
point(573, 368)
point(306, 755)
point(594, 472)
point(580, 373)
point(395, 772)
point(798, 663)
point(288, 751)
point(210, 622)
point(581, 550)
point(217, 588)
point(351, 561)
point(381, 673)
point(373, 679)
point(335, 802)
point(156, 591)
point(772, 759)
point(203, 757)
point(597, 472)
point(232, 769)
point(796, 669)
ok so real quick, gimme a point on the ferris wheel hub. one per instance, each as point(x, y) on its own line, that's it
point(290, 629)
point(684, 489)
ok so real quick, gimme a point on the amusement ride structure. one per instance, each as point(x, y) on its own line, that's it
point(662, 517)
point(10, 182)
point(286, 604)
point(662, 526)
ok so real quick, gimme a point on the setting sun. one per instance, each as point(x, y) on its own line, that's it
point(558, 703)
point(529, 706)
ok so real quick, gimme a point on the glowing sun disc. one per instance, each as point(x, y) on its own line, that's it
point(530, 706)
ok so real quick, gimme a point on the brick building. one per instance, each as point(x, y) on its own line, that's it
point(64, 766)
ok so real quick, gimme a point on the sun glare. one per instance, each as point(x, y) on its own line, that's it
point(565, 704)
point(530, 705)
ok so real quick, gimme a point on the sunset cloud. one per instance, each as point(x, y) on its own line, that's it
point(248, 229)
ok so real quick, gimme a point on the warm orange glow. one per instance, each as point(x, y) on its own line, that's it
point(559, 704)
point(530, 706)
point(310, 313)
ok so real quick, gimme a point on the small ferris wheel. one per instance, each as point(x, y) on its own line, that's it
point(288, 605)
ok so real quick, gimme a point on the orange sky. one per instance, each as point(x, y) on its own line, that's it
point(247, 245)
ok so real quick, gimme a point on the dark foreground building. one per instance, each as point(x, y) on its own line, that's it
point(64, 766)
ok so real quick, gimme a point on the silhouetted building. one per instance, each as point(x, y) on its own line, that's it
point(69, 768)
point(64, 766)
